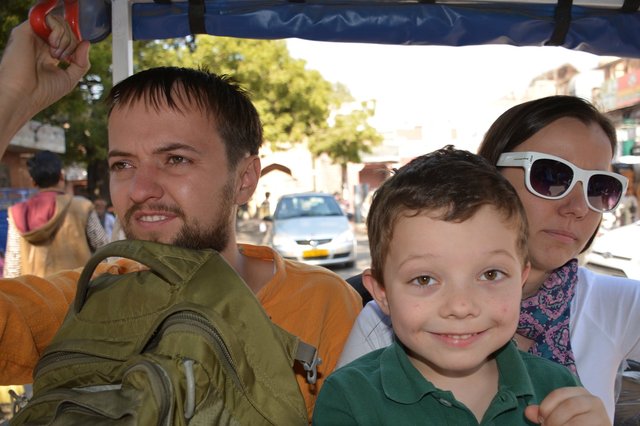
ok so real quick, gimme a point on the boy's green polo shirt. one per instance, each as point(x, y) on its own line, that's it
point(383, 387)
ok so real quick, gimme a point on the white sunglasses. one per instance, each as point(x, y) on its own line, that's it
point(552, 178)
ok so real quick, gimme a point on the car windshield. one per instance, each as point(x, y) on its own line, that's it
point(307, 206)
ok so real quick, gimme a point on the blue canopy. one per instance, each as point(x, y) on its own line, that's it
point(601, 27)
point(599, 30)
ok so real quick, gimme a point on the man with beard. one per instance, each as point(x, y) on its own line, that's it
point(183, 155)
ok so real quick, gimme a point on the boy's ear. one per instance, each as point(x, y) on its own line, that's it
point(376, 290)
point(249, 174)
point(525, 273)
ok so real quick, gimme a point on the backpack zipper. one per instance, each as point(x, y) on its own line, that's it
point(159, 380)
point(200, 323)
point(63, 358)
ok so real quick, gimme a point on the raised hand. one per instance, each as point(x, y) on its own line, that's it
point(30, 78)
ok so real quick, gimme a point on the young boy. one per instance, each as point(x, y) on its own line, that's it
point(448, 245)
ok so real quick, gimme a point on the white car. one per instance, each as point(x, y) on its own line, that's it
point(616, 252)
point(312, 228)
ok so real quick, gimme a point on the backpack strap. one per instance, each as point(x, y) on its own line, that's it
point(131, 249)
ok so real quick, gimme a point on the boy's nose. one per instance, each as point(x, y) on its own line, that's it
point(459, 302)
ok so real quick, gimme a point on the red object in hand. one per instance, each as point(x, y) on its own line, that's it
point(39, 12)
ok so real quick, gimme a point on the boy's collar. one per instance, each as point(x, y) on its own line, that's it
point(401, 382)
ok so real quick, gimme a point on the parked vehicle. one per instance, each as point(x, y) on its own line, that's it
point(312, 228)
point(615, 252)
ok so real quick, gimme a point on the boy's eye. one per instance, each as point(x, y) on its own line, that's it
point(423, 281)
point(492, 275)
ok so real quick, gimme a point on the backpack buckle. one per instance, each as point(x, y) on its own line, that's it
point(307, 355)
point(312, 368)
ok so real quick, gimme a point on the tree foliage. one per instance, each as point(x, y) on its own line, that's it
point(12, 12)
point(348, 137)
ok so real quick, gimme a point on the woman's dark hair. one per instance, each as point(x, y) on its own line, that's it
point(522, 121)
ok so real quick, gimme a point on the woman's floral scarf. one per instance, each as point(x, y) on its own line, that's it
point(544, 317)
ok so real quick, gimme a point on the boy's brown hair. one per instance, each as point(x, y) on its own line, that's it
point(453, 182)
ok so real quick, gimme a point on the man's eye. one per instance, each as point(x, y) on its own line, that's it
point(177, 159)
point(423, 281)
point(119, 165)
point(493, 275)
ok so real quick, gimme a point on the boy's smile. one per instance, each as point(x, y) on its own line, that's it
point(453, 291)
point(458, 340)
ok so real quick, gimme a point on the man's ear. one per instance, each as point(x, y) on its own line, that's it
point(249, 174)
point(376, 290)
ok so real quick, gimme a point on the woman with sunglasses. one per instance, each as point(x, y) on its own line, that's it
point(556, 152)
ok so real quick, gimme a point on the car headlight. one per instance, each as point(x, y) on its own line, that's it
point(345, 237)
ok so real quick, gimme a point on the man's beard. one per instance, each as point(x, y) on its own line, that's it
point(192, 235)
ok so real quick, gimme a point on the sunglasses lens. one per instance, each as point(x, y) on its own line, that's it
point(550, 178)
point(604, 192)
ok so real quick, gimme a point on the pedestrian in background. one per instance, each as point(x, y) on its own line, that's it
point(107, 219)
point(51, 230)
point(265, 206)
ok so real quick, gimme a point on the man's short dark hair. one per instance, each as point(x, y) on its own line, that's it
point(220, 96)
point(45, 168)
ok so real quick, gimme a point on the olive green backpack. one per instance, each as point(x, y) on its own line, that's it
point(184, 342)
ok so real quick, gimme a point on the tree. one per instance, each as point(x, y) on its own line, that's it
point(12, 12)
point(348, 137)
